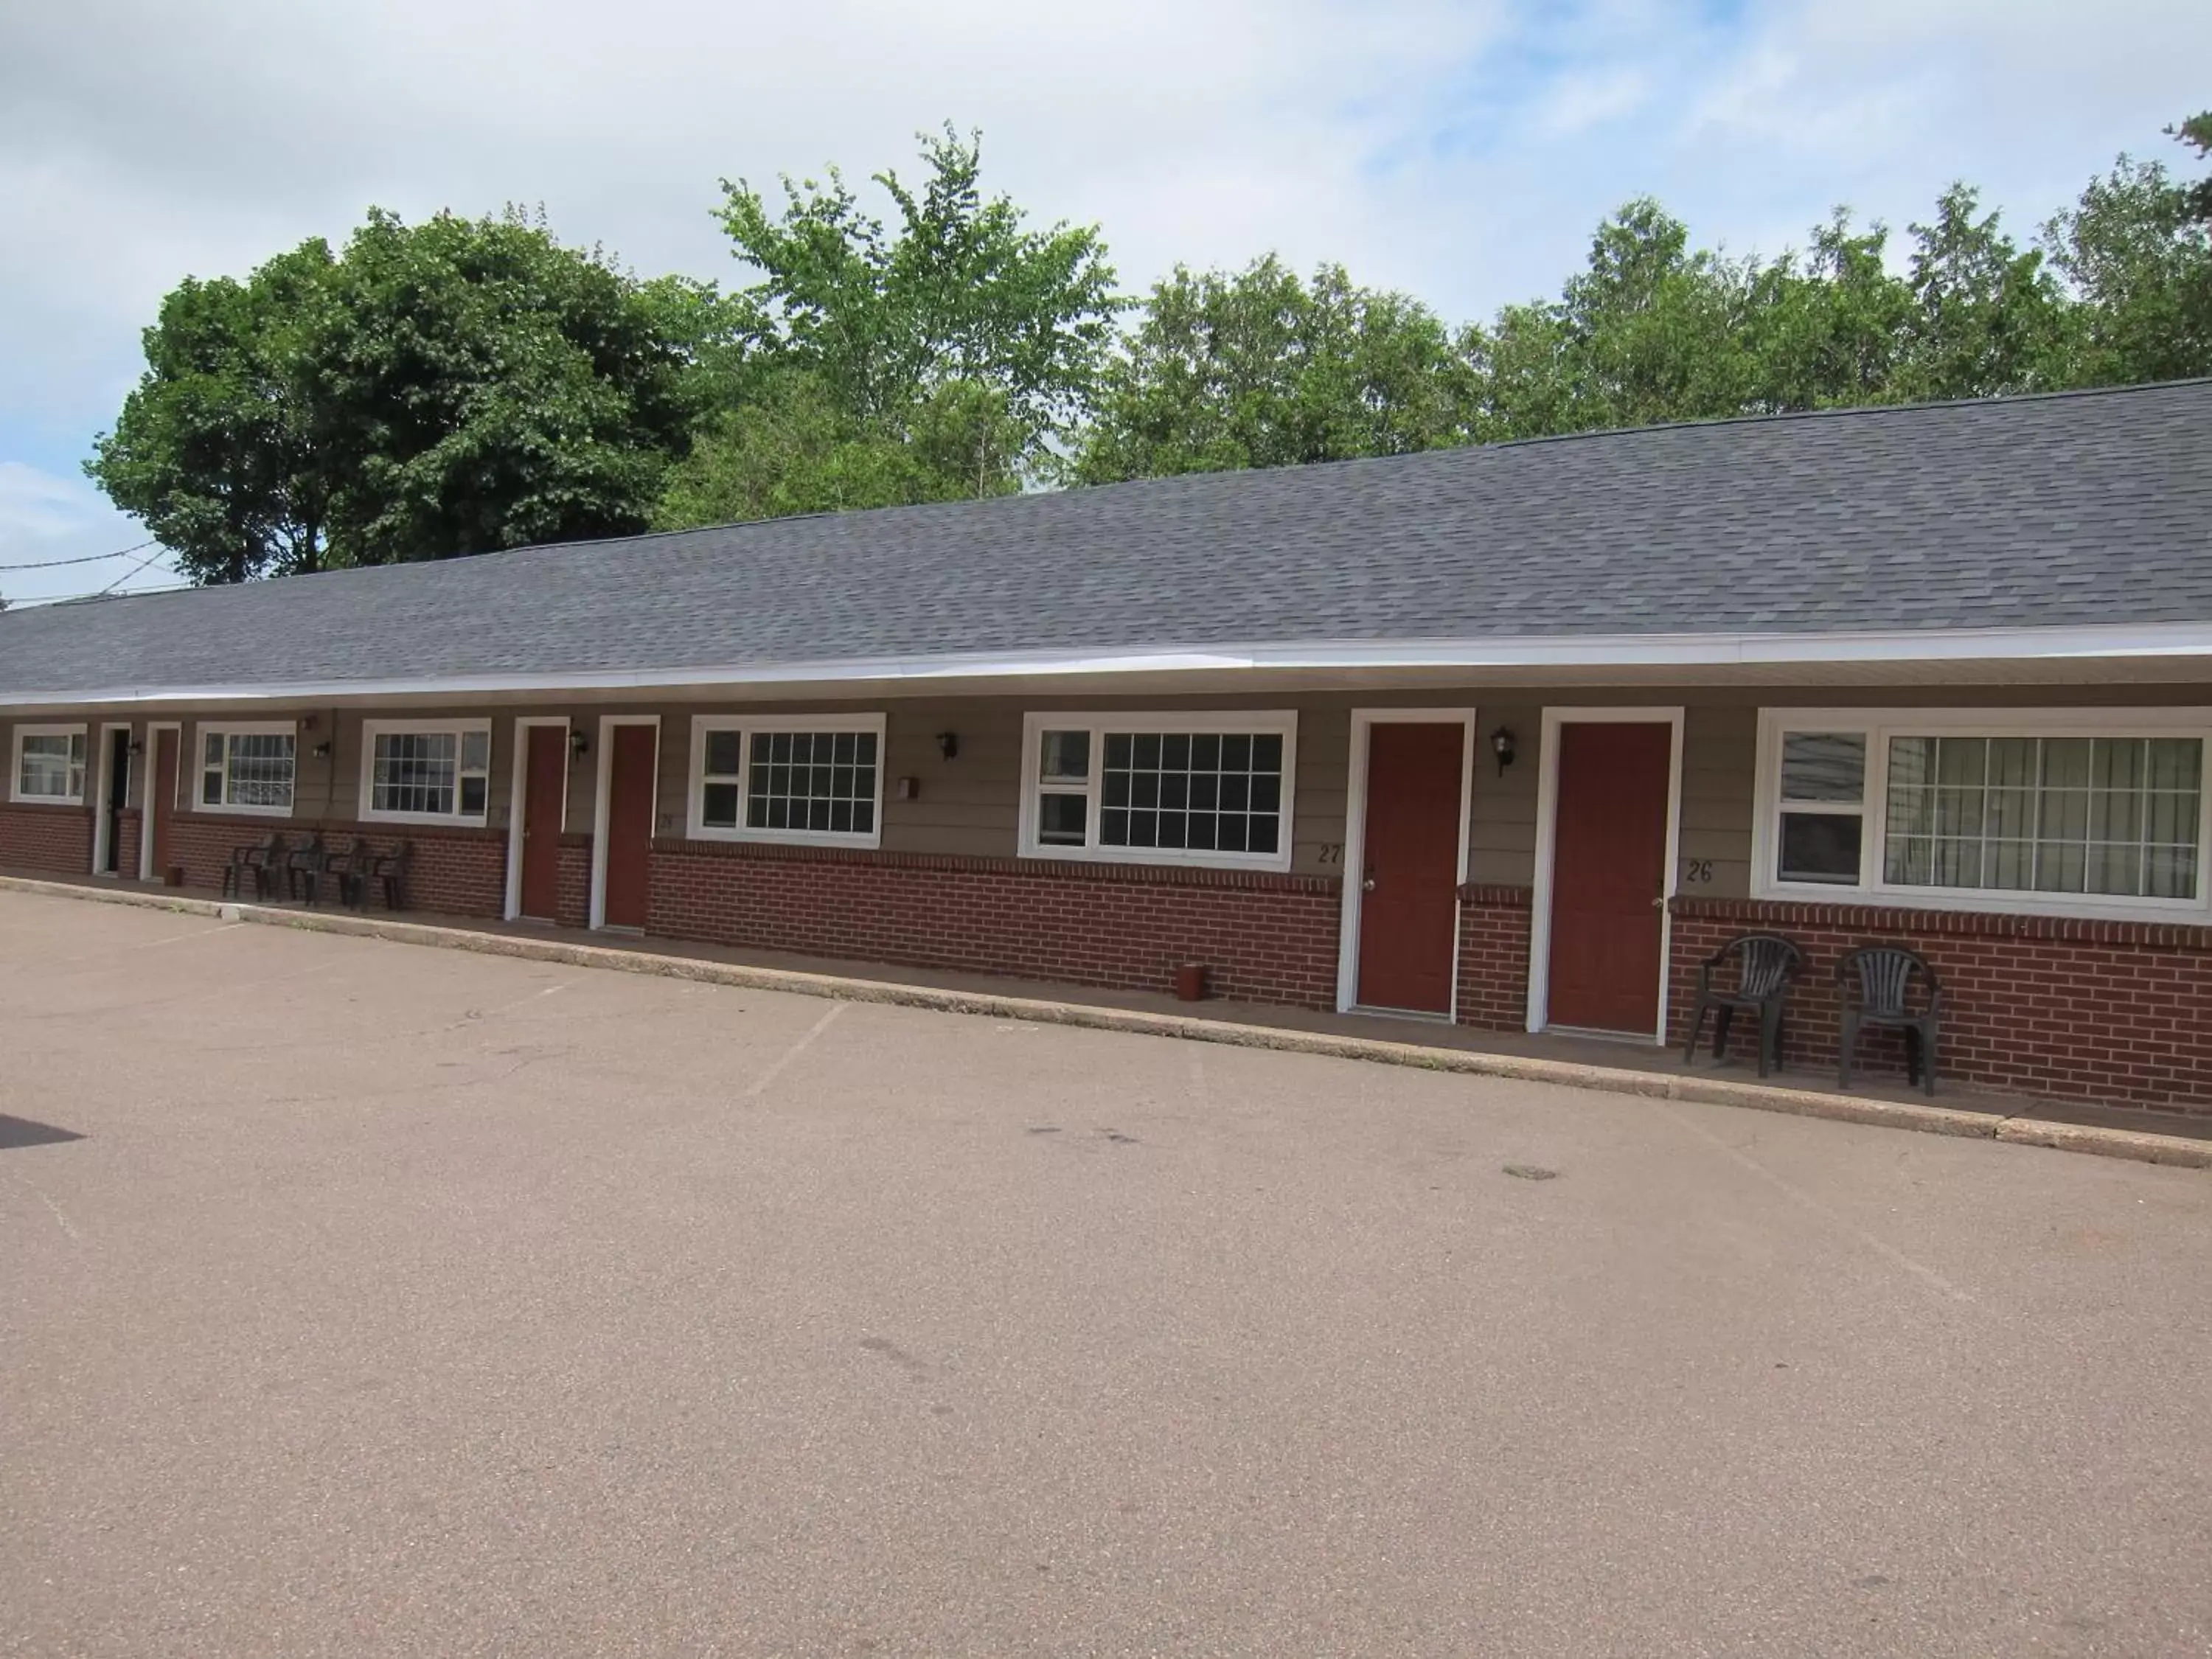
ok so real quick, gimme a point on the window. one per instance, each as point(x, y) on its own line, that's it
point(424, 772)
point(782, 778)
point(1172, 788)
point(2111, 816)
point(248, 768)
point(49, 764)
point(1823, 806)
point(1987, 808)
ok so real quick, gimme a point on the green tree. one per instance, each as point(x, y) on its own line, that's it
point(2196, 133)
point(791, 447)
point(1259, 368)
point(2139, 260)
point(215, 450)
point(478, 385)
point(964, 292)
point(1988, 317)
point(439, 389)
point(1826, 328)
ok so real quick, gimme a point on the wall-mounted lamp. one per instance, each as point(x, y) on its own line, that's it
point(137, 746)
point(948, 743)
point(578, 744)
point(321, 751)
point(1501, 745)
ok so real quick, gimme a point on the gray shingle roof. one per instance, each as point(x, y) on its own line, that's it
point(2086, 508)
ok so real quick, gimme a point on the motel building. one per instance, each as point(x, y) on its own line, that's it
point(1514, 736)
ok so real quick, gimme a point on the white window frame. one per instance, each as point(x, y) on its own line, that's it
point(751, 726)
point(1879, 726)
point(196, 774)
point(367, 813)
point(1281, 722)
point(16, 766)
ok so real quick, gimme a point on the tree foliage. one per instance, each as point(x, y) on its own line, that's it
point(443, 388)
point(945, 357)
point(1258, 368)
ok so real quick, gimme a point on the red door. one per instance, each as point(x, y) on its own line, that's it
point(544, 791)
point(629, 823)
point(161, 797)
point(1409, 907)
point(1609, 875)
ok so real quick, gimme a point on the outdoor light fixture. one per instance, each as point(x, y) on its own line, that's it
point(1501, 745)
point(135, 746)
point(578, 745)
point(948, 743)
point(321, 751)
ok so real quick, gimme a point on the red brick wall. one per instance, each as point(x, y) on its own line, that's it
point(572, 907)
point(1493, 958)
point(2112, 1011)
point(126, 843)
point(56, 838)
point(1268, 937)
point(455, 871)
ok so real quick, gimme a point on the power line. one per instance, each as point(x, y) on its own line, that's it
point(134, 569)
point(89, 558)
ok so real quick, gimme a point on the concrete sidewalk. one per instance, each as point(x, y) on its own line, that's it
point(1619, 1067)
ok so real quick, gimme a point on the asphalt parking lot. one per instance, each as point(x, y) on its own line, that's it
point(364, 1298)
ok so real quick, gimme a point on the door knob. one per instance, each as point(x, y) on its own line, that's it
point(1368, 885)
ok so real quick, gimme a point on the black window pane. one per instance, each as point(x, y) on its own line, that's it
point(1267, 791)
point(1821, 847)
point(1199, 835)
point(1114, 827)
point(1230, 832)
point(843, 747)
point(1265, 827)
point(1236, 753)
point(864, 752)
point(1175, 752)
point(1206, 752)
point(1144, 789)
point(472, 798)
point(1144, 829)
point(718, 808)
point(864, 817)
point(1171, 830)
point(1060, 820)
point(1267, 752)
point(1147, 751)
point(1175, 789)
point(1204, 790)
point(1236, 792)
point(1117, 789)
point(1119, 748)
point(724, 753)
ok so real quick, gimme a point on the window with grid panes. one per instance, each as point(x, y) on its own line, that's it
point(250, 770)
point(50, 766)
point(437, 772)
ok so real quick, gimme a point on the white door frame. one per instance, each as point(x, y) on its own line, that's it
point(600, 804)
point(100, 832)
point(1547, 825)
point(149, 772)
point(517, 802)
point(1363, 720)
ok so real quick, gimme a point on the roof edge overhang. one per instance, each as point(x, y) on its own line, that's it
point(1932, 648)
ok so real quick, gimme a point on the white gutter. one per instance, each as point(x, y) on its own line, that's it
point(2163, 641)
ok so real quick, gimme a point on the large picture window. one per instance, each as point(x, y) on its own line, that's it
point(426, 772)
point(783, 778)
point(49, 765)
point(248, 768)
point(1168, 788)
point(2049, 811)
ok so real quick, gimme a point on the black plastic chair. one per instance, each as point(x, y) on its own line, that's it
point(301, 865)
point(1765, 963)
point(387, 868)
point(1876, 987)
point(261, 861)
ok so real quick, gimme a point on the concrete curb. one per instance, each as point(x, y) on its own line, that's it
point(2137, 1144)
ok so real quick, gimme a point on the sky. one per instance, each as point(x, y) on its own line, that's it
point(1459, 149)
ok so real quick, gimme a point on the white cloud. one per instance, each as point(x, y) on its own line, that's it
point(1459, 149)
point(45, 518)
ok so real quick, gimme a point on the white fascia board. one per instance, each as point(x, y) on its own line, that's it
point(2165, 640)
